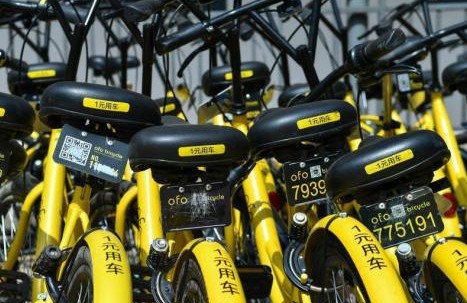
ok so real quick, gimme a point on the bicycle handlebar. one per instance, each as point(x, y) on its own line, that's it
point(398, 12)
point(181, 38)
point(426, 41)
point(141, 10)
point(196, 31)
point(383, 45)
point(6, 61)
point(72, 14)
point(369, 52)
point(362, 58)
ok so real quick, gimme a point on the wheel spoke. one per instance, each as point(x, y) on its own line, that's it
point(5, 251)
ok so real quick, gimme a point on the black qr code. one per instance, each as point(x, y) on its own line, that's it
point(398, 211)
point(75, 150)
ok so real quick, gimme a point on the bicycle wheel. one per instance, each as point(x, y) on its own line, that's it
point(78, 285)
point(332, 268)
point(98, 270)
point(191, 285)
point(12, 198)
point(204, 273)
point(443, 289)
point(444, 270)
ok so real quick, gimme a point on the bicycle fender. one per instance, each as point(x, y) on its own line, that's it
point(218, 269)
point(377, 272)
point(450, 256)
point(110, 268)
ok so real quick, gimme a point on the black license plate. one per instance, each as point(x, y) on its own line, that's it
point(304, 180)
point(404, 218)
point(92, 154)
point(195, 206)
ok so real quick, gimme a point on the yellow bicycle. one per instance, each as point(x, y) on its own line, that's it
point(78, 262)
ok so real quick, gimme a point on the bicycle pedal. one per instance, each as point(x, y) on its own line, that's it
point(15, 286)
point(256, 280)
point(141, 280)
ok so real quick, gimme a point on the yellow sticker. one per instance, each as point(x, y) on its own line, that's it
point(45, 73)
point(243, 74)
point(106, 105)
point(389, 161)
point(201, 150)
point(2, 112)
point(318, 120)
point(251, 103)
point(168, 108)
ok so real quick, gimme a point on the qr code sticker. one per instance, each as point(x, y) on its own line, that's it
point(398, 211)
point(403, 81)
point(315, 171)
point(75, 150)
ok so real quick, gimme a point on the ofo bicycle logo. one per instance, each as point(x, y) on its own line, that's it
point(300, 175)
point(178, 200)
point(380, 217)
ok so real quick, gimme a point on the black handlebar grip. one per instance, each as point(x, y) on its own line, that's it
point(20, 6)
point(373, 50)
point(180, 38)
point(364, 55)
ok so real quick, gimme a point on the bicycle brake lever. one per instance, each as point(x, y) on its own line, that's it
point(399, 69)
point(371, 78)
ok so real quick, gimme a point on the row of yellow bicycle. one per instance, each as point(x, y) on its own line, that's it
point(108, 195)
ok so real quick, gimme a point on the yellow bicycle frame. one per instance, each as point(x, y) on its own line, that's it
point(263, 224)
point(146, 192)
point(51, 212)
point(149, 212)
point(21, 230)
point(53, 209)
point(440, 122)
point(455, 167)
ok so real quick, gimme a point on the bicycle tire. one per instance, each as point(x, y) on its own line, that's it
point(13, 194)
point(205, 273)
point(191, 287)
point(328, 256)
point(444, 270)
point(374, 269)
point(443, 289)
point(100, 266)
point(80, 273)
